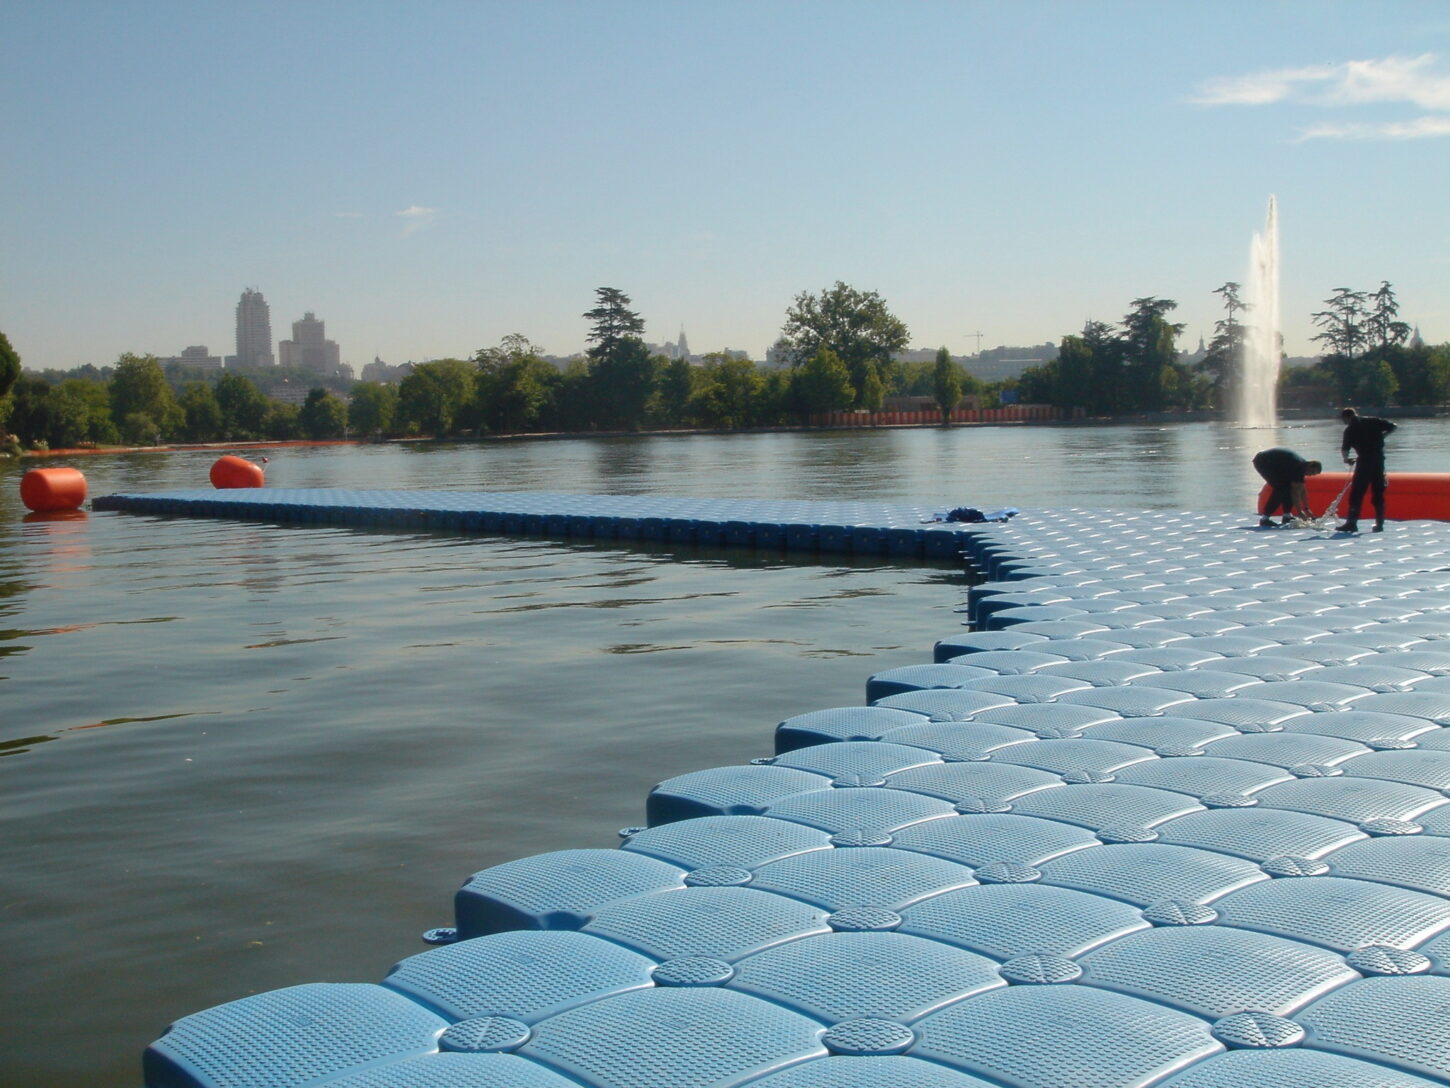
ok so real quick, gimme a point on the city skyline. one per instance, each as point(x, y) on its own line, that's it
point(1008, 170)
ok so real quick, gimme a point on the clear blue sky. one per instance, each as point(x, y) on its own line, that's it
point(430, 177)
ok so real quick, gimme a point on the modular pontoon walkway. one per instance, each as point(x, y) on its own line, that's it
point(1173, 810)
point(867, 528)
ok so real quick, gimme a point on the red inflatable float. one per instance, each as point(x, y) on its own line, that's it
point(1410, 496)
point(230, 471)
point(46, 490)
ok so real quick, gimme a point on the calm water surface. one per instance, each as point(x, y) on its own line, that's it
point(237, 756)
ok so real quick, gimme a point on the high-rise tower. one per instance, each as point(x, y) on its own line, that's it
point(254, 331)
point(309, 347)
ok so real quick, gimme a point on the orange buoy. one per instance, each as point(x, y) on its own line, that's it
point(230, 471)
point(45, 490)
point(1408, 495)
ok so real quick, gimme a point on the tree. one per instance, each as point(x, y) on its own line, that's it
point(1149, 354)
point(202, 412)
point(674, 389)
point(29, 418)
point(622, 381)
point(370, 412)
point(79, 413)
point(613, 321)
point(1378, 385)
point(515, 385)
point(1040, 384)
point(142, 404)
point(322, 415)
point(243, 407)
point(822, 384)
point(856, 327)
point(946, 385)
point(1223, 364)
point(728, 390)
point(1382, 326)
point(9, 375)
point(282, 421)
point(436, 397)
point(1342, 322)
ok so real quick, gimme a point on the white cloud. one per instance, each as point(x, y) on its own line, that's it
point(1421, 82)
point(1262, 88)
point(416, 217)
point(1418, 129)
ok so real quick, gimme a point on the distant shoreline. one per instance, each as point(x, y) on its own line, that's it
point(1287, 415)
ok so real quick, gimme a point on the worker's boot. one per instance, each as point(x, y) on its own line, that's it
point(1379, 527)
point(1348, 527)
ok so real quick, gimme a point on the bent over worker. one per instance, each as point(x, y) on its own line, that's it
point(1284, 471)
point(1365, 437)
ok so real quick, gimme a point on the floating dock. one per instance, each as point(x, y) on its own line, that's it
point(861, 528)
point(1173, 808)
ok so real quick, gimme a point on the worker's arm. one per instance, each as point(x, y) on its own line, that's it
point(1300, 496)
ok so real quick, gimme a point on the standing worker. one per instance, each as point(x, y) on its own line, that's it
point(1365, 435)
point(1284, 471)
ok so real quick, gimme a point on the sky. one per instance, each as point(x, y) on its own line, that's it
point(430, 177)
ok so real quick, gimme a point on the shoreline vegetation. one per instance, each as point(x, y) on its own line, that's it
point(840, 362)
point(867, 422)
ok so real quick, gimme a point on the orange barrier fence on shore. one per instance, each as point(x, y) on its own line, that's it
point(1410, 496)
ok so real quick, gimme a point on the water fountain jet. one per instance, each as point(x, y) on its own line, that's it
point(1258, 399)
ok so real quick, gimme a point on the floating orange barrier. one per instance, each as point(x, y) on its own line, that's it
point(46, 490)
point(230, 471)
point(1409, 496)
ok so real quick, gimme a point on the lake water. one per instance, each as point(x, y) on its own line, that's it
point(235, 757)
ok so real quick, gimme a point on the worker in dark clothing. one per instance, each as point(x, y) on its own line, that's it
point(1284, 471)
point(1365, 437)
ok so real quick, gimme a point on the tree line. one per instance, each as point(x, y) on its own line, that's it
point(1134, 366)
point(839, 345)
point(838, 348)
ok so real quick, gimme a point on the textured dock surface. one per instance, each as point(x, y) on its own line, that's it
point(1174, 809)
point(866, 528)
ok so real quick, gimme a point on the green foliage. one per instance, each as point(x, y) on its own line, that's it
point(573, 407)
point(372, 408)
point(1222, 366)
point(729, 388)
point(1149, 356)
point(142, 404)
point(322, 416)
point(674, 390)
point(1379, 384)
point(515, 386)
point(1382, 326)
point(437, 398)
point(29, 415)
point(202, 412)
point(856, 327)
point(823, 384)
point(282, 421)
point(80, 414)
point(946, 384)
point(1342, 322)
point(622, 381)
point(774, 407)
point(613, 322)
point(1041, 384)
point(9, 368)
point(243, 408)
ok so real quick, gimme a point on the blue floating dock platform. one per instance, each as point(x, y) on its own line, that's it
point(1171, 808)
point(861, 528)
